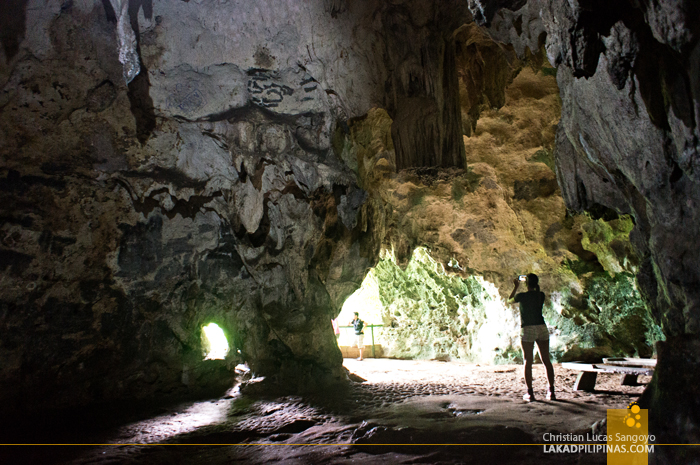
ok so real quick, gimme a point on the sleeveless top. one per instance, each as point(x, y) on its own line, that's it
point(531, 303)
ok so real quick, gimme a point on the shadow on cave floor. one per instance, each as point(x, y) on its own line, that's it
point(406, 412)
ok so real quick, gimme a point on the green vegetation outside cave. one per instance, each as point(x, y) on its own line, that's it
point(429, 313)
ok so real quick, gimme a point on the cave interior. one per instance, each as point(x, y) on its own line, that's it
point(191, 191)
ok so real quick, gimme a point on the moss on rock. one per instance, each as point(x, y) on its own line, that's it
point(611, 320)
point(610, 242)
point(502, 216)
point(428, 312)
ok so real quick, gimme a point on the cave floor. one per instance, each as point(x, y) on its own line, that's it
point(405, 412)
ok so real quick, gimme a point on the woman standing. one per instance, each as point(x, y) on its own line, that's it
point(533, 330)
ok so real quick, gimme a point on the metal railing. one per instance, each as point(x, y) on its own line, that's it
point(371, 328)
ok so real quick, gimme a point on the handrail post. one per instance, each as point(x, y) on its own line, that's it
point(371, 327)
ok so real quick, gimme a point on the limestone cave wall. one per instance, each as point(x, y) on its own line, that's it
point(628, 140)
point(166, 164)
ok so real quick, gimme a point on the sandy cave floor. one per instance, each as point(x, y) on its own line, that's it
point(402, 403)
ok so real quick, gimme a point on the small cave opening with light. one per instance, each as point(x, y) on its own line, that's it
point(191, 277)
point(214, 342)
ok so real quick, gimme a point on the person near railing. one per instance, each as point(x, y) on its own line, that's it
point(359, 339)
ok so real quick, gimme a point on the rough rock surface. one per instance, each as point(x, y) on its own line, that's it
point(422, 89)
point(629, 140)
point(402, 403)
point(205, 189)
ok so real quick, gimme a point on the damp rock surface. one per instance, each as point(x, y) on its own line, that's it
point(168, 164)
point(226, 180)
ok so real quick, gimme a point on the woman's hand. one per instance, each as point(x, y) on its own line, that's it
point(516, 283)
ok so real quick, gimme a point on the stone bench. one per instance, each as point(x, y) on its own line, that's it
point(630, 368)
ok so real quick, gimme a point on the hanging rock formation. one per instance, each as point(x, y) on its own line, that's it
point(422, 89)
point(502, 217)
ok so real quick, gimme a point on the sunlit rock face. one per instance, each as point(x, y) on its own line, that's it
point(428, 312)
point(479, 228)
point(225, 183)
point(629, 140)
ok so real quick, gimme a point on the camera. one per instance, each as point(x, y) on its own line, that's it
point(522, 277)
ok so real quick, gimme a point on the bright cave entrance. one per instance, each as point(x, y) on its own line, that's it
point(430, 311)
point(426, 312)
point(214, 342)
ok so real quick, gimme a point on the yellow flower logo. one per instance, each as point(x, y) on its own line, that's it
point(632, 418)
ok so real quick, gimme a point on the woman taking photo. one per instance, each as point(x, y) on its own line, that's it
point(533, 330)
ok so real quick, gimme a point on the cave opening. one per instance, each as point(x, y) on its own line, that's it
point(214, 342)
point(460, 236)
point(425, 311)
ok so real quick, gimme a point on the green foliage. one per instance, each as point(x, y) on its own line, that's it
point(609, 241)
point(654, 333)
point(607, 316)
point(549, 71)
point(467, 183)
point(429, 314)
point(416, 197)
point(621, 312)
point(581, 267)
point(510, 356)
point(544, 156)
point(472, 180)
point(568, 333)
